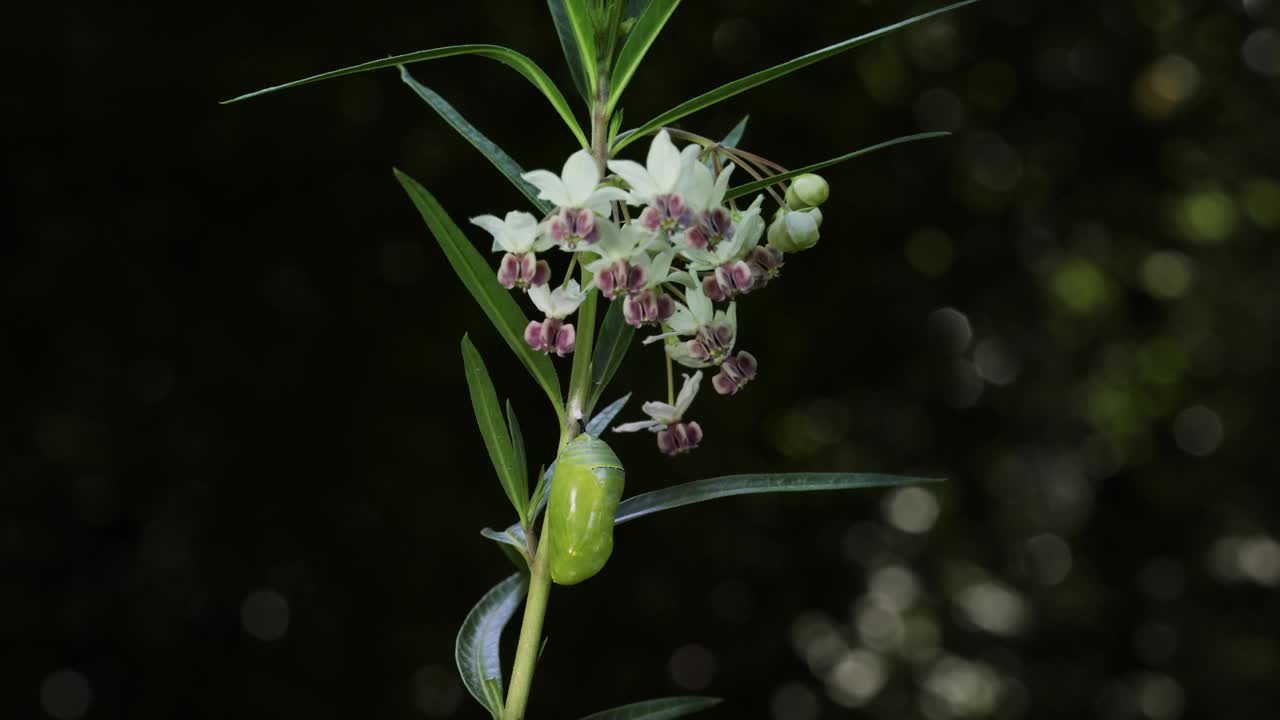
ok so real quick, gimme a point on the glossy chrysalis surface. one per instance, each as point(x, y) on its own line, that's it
point(585, 491)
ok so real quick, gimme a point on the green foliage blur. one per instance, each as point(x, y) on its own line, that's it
point(241, 477)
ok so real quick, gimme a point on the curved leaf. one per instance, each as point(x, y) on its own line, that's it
point(734, 136)
point(611, 348)
point(600, 422)
point(578, 15)
point(494, 154)
point(638, 43)
point(728, 90)
point(758, 185)
point(480, 280)
point(569, 43)
point(663, 709)
point(512, 537)
point(504, 55)
point(497, 439)
point(731, 485)
point(477, 651)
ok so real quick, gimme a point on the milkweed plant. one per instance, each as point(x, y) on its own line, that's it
point(671, 245)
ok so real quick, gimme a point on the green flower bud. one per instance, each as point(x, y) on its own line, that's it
point(795, 230)
point(807, 191)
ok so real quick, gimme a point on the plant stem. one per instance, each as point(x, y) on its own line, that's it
point(535, 607)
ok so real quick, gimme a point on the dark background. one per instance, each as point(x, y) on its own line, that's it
point(241, 478)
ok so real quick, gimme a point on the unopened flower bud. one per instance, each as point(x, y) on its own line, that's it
point(735, 372)
point(524, 271)
point(551, 335)
point(621, 278)
point(807, 191)
point(795, 230)
point(570, 227)
point(679, 438)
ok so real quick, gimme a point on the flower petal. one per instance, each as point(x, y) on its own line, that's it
point(642, 185)
point(550, 187)
point(580, 177)
point(494, 226)
point(600, 198)
point(688, 391)
point(636, 426)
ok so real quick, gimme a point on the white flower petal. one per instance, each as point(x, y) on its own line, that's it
point(687, 392)
point(494, 226)
point(700, 305)
point(599, 200)
point(550, 187)
point(520, 231)
point(663, 413)
point(722, 185)
point(636, 426)
point(642, 185)
point(540, 295)
point(664, 162)
point(580, 177)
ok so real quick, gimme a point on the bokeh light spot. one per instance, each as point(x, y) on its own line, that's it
point(264, 614)
point(1207, 217)
point(1081, 286)
point(930, 251)
point(913, 510)
point(692, 667)
point(1166, 274)
point(65, 694)
point(1198, 430)
point(794, 701)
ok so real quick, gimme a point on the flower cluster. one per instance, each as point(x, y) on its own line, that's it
point(678, 266)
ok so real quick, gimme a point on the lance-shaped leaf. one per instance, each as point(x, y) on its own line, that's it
point(601, 420)
point(480, 280)
point(569, 43)
point(641, 37)
point(494, 154)
point(759, 185)
point(497, 440)
point(611, 348)
point(733, 485)
point(734, 136)
point(580, 24)
point(507, 56)
point(662, 709)
point(728, 90)
point(477, 648)
point(517, 448)
point(580, 374)
point(513, 542)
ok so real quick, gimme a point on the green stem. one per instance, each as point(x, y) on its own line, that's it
point(535, 608)
point(535, 611)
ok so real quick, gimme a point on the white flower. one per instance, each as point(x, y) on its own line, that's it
point(658, 269)
point(517, 234)
point(615, 245)
point(663, 414)
point(746, 236)
point(702, 191)
point(577, 186)
point(662, 173)
point(558, 303)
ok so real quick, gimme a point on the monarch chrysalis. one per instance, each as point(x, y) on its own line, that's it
point(585, 491)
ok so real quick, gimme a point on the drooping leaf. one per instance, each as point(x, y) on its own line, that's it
point(578, 13)
point(759, 185)
point(569, 43)
point(479, 279)
point(494, 154)
point(734, 136)
point(484, 401)
point(517, 447)
point(600, 421)
point(662, 709)
point(611, 348)
point(641, 37)
point(732, 485)
point(477, 647)
point(507, 56)
point(728, 90)
point(513, 542)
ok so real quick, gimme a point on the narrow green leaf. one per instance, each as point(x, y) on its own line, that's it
point(734, 136)
point(480, 280)
point(728, 90)
point(732, 485)
point(600, 422)
point(759, 185)
point(484, 401)
point(504, 55)
point(641, 37)
point(494, 154)
point(611, 348)
point(540, 491)
point(663, 709)
point(521, 460)
point(477, 651)
point(513, 542)
point(580, 375)
point(578, 13)
point(569, 43)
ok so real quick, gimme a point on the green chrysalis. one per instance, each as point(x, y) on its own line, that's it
point(585, 491)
